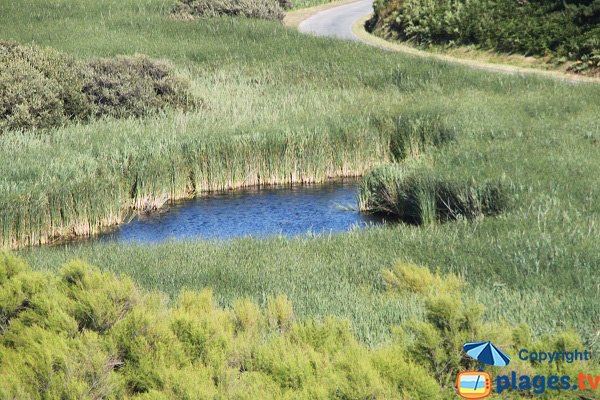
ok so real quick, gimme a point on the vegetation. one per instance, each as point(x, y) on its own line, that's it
point(436, 342)
point(82, 333)
point(265, 9)
point(562, 30)
point(40, 88)
point(134, 86)
point(43, 88)
point(297, 4)
point(278, 106)
point(417, 196)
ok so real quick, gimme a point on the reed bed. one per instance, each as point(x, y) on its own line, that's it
point(90, 190)
point(420, 197)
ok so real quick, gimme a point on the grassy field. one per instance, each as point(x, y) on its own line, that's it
point(293, 107)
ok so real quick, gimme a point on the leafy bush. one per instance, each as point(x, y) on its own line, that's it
point(452, 319)
point(87, 334)
point(134, 86)
point(42, 88)
point(39, 88)
point(263, 9)
point(537, 27)
point(416, 196)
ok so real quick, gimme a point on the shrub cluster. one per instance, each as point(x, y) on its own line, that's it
point(134, 86)
point(562, 29)
point(262, 9)
point(43, 88)
point(452, 319)
point(418, 197)
point(85, 334)
point(40, 88)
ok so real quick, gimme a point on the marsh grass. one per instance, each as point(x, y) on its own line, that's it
point(92, 193)
point(415, 195)
point(263, 83)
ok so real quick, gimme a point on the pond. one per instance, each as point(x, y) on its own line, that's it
point(287, 210)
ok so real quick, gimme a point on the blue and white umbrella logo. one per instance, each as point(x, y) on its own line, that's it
point(487, 353)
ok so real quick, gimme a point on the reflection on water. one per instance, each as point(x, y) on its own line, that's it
point(289, 211)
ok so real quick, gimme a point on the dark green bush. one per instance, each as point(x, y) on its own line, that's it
point(263, 9)
point(42, 88)
point(134, 86)
point(562, 29)
point(418, 197)
point(39, 88)
point(285, 4)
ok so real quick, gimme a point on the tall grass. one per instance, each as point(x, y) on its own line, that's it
point(67, 190)
point(417, 196)
point(281, 104)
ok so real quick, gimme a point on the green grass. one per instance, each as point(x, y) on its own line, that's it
point(268, 88)
point(308, 3)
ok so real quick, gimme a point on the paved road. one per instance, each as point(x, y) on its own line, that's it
point(338, 21)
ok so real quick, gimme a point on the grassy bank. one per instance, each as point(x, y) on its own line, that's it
point(281, 105)
point(519, 274)
point(68, 190)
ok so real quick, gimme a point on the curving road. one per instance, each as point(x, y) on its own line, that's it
point(337, 21)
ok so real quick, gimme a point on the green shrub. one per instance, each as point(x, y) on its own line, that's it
point(134, 86)
point(539, 27)
point(87, 334)
point(42, 88)
point(98, 300)
point(264, 9)
point(195, 349)
point(452, 319)
point(415, 196)
point(39, 88)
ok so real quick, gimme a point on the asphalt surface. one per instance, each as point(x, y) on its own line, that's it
point(337, 22)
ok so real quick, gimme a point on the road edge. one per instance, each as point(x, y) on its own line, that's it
point(294, 18)
point(358, 29)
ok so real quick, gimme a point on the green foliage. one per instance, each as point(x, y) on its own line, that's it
point(540, 27)
point(286, 107)
point(39, 88)
point(135, 86)
point(192, 350)
point(263, 9)
point(91, 292)
point(280, 313)
point(419, 280)
point(195, 349)
point(414, 134)
point(413, 195)
point(452, 319)
point(43, 88)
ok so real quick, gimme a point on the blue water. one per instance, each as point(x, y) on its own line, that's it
point(289, 211)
